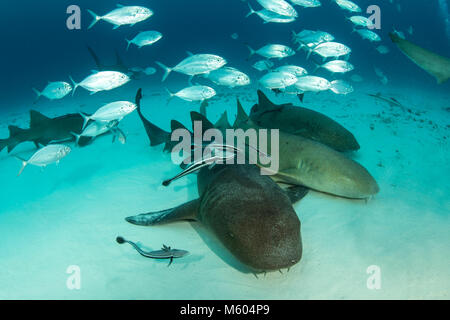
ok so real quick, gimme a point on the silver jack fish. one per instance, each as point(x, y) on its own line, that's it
point(102, 81)
point(195, 64)
point(112, 111)
point(273, 51)
point(54, 90)
point(123, 16)
point(145, 38)
point(194, 93)
point(47, 155)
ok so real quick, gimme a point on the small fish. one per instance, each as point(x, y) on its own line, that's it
point(308, 38)
point(145, 38)
point(341, 87)
point(337, 66)
point(95, 129)
point(400, 34)
point(47, 155)
point(112, 111)
point(119, 134)
point(149, 71)
point(278, 80)
point(361, 21)
point(234, 36)
point(272, 51)
point(269, 16)
point(102, 81)
point(295, 70)
point(281, 7)
point(356, 78)
point(330, 50)
point(164, 253)
point(307, 3)
point(312, 84)
point(411, 30)
point(123, 15)
point(229, 77)
point(194, 93)
point(368, 35)
point(383, 49)
point(348, 5)
point(263, 65)
point(54, 90)
point(195, 65)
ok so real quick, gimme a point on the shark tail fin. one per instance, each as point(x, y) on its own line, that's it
point(96, 19)
point(155, 134)
point(252, 11)
point(166, 69)
point(38, 94)
point(12, 142)
point(75, 85)
point(24, 164)
point(3, 144)
point(85, 118)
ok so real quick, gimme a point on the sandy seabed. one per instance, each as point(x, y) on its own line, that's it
point(71, 214)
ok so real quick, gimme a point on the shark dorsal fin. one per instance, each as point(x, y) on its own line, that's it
point(206, 124)
point(264, 103)
point(174, 125)
point(223, 121)
point(37, 118)
point(241, 116)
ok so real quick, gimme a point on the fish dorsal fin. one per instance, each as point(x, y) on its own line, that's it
point(223, 123)
point(264, 102)
point(206, 124)
point(190, 54)
point(37, 118)
point(241, 116)
point(119, 5)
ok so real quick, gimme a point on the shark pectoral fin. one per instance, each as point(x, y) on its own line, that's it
point(290, 176)
point(296, 193)
point(187, 211)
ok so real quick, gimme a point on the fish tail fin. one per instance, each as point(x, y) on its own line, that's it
point(24, 164)
point(251, 10)
point(3, 144)
point(77, 137)
point(316, 67)
point(75, 85)
point(85, 118)
point(96, 18)
point(38, 94)
point(166, 69)
point(129, 42)
point(171, 95)
point(252, 52)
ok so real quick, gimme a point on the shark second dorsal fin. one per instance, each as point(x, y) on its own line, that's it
point(241, 116)
point(223, 123)
point(206, 124)
point(264, 104)
point(37, 118)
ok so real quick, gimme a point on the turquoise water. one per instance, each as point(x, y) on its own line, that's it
point(66, 217)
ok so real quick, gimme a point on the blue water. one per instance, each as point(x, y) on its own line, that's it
point(38, 47)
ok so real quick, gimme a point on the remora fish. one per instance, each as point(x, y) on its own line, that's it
point(50, 154)
point(123, 15)
point(164, 253)
point(44, 130)
point(434, 64)
point(307, 123)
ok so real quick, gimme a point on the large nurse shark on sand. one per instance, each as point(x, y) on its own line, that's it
point(44, 130)
point(249, 213)
point(436, 65)
point(303, 122)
